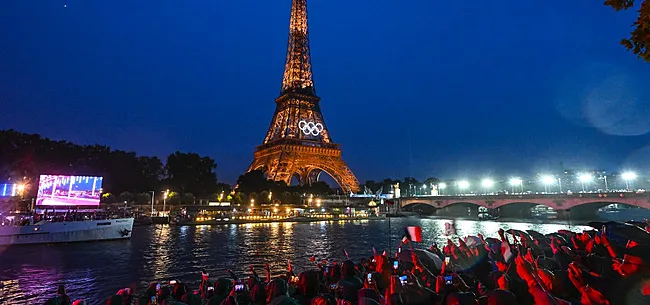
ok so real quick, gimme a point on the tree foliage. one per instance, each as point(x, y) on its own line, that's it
point(254, 183)
point(127, 176)
point(191, 173)
point(639, 40)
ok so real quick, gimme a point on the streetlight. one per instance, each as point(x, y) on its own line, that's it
point(628, 176)
point(547, 180)
point(516, 182)
point(252, 202)
point(153, 195)
point(462, 185)
point(584, 178)
point(165, 201)
point(441, 187)
point(487, 183)
point(424, 189)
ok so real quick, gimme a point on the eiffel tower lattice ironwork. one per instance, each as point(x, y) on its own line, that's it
point(298, 141)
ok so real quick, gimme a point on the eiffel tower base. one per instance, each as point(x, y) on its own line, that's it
point(281, 161)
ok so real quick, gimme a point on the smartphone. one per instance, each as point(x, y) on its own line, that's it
point(374, 260)
point(334, 286)
point(395, 265)
point(294, 279)
point(153, 299)
point(399, 250)
point(210, 288)
point(157, 286)
point(239, 287)
point(448, 279)
point(172, 282)
point(327, 270)
point(447, 260)
point(369, 278)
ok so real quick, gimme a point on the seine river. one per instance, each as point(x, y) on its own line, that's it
point(94, 271)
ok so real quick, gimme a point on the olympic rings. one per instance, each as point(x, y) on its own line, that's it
point(309, 128)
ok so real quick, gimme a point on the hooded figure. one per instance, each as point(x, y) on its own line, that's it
point(308, 287)
point(349, 284)
point(277, 293)
point(222, 288)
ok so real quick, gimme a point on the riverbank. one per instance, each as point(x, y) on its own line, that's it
point(227, 221)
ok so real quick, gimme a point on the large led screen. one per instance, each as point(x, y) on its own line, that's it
point(55, 190)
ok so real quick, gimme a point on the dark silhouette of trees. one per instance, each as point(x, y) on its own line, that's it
point(191, 173)
point(127, 176)
point(257, 187)
point(639, 40)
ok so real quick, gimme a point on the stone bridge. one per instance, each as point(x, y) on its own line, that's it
point(584, 205)
point(555, 201)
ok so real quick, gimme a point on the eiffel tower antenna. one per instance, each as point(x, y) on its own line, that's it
point(298, 76)
point(298, 142)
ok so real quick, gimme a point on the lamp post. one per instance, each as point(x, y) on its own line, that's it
point(487, 183)
point(628, 176)
point(547, 180)
point(462, 185)
point(605, 178)
point(165, 200)
point(516, 182)
point(153, 195)
point(584, 178)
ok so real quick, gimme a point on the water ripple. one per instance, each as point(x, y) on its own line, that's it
point(94, 271)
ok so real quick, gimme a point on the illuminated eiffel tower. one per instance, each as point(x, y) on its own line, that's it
point(298, 142)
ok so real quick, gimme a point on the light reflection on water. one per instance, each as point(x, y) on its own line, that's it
point(94, 271)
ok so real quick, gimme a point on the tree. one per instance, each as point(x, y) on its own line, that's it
point(431, 181)
point(264, 197)
point(285, 197)
point(188, 198)
point(109, 198)
point(253, 181)
point(191, 173)
point(143, 198)
point(126, 197)
point(173, 198)
point(639, 40)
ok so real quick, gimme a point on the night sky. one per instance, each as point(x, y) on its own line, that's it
point(418, 88)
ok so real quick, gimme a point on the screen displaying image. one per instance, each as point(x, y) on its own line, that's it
point(56, 190)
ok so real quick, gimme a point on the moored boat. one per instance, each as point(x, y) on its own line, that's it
point(46, 231)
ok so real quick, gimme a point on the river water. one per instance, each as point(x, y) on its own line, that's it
point(94, 271)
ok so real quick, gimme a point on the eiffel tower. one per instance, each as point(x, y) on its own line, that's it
point(298, 142)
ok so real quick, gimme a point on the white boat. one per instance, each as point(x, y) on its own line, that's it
point(45, 232)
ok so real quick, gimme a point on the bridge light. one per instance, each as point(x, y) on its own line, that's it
point(515, 182)
point(487, 183)
point(584, 177)
point(548, 180)
point(463, 184)
point(628, 176)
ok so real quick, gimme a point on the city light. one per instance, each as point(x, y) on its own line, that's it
point(487, 183)
point(463, 184)
point(584, 177)
point(548, 180)
point(442, 185)
point(628, 176)
point(516, 182)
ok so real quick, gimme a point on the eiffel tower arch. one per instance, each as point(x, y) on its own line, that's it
point(298, 141)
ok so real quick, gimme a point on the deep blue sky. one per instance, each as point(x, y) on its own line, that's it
point(482, 88)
